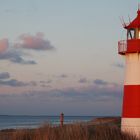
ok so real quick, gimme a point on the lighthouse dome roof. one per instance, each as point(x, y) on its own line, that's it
point(135, 23)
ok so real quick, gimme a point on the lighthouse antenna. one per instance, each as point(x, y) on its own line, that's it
point(122, 21)
point(138, 6)
point(129, 19)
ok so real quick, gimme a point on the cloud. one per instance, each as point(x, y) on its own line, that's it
point(83, 80)
point(100, 82)
point(92, 93)
point(6, 53)
point(34, 42)
point(63, 76)
point(92, 100)
point(15, 57)
point(13, 83)
point(46, 82)
point(118, 65)
point(5, 80)
point(4, 44)
point(60, 76)
point(4, 75)
point(33, 83)
point(14, 53)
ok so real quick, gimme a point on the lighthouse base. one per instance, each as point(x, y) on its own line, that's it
point(131, 126)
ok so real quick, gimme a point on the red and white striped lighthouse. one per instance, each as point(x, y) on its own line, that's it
point(130, 48)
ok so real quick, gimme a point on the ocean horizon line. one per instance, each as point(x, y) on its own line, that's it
point(59, 115)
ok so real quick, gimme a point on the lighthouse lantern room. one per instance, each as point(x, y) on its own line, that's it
point(130, 49)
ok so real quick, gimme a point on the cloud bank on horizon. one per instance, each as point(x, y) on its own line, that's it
point(92, 97)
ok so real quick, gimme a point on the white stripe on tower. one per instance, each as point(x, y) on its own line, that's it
point(132, 73)
point(131, 101)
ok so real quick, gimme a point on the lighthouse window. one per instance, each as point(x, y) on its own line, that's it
point(139, 33)
point(131, 34)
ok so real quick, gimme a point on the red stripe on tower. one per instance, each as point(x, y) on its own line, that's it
point(131, 101)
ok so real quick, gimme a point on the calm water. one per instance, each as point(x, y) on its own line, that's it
point(7, 122)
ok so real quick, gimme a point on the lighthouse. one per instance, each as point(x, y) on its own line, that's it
point(130, 49)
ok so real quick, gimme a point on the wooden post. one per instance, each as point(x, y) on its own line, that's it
point(61, 119)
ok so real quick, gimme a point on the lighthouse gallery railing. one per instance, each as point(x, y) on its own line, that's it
point(122, 47)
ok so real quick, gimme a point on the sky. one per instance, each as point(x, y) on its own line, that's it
point(61, 56)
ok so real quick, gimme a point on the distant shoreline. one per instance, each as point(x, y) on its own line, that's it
point(65, 115)
point(94, 121)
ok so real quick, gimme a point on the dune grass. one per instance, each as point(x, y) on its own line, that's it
point(68, 132)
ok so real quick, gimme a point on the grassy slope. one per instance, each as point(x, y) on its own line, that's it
point(95, 130)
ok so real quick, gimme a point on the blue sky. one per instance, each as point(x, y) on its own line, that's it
point(61, 56)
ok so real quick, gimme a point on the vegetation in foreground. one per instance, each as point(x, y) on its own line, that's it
point(68, 132)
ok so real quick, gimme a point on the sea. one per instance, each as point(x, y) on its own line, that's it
point(17, 122)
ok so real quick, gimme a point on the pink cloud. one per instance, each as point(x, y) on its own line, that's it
point(35, 42)
point(7, 52)
point(11, 52)
point(3, 45)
